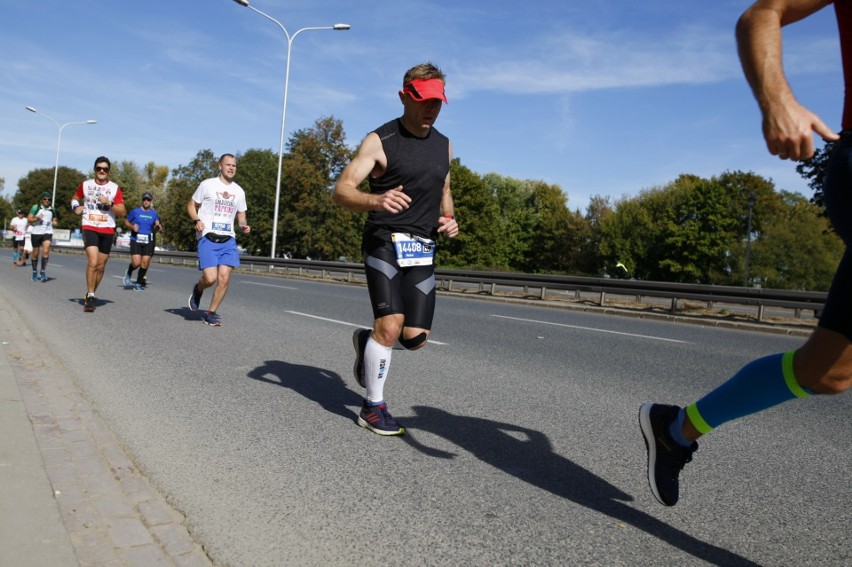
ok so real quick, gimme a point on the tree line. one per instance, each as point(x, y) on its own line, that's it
point(736, 228)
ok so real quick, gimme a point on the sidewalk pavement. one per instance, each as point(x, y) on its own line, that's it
point(69, 493)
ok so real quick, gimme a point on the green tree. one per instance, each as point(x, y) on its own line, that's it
point(590, 260)
point(311, 224)
point(154, 179)
point(478, 244)
point(184, 182)
point(751, 196)
point(37, 181)
point(256, 175)
point(514, 220)
point(626, 236)
point(552, 248)
point(690, 230)
point(7, 211)
point(796, 249)
point(698, 232)
point(127, 175)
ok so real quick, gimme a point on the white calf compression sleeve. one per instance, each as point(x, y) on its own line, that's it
point(377, 360)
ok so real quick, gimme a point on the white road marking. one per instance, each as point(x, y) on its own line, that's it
point(346, 323)
point(590, 329)
point(269, 285)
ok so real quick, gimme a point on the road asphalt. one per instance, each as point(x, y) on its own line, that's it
point(69, 492)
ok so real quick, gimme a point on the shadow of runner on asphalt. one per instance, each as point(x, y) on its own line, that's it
point(523, 453)
point(324, 387)
point(187, 313)
point(528, 455)
point(98, 301)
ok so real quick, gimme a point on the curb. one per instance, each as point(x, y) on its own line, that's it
point(71, 495)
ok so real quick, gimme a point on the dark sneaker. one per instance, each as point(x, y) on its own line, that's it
point(43, 276)
point(35, 277)
point(194, 299)
point(138, 287)
point(359, 341)
point(666, 457)
point(127, 282)
point(379, 420)
point(212, 319)
point(89, 304)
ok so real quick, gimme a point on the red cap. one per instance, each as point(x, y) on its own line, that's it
point(425, 89)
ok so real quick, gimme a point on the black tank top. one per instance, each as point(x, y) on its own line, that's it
point(421, 166)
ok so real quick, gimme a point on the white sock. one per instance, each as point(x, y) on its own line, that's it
point(377, 358)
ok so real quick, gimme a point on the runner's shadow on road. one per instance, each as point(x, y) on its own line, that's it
point(186, 313)
point(98, 302)
point(322, 386)
point(528, 455)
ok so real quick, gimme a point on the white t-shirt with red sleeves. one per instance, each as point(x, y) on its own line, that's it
point(98, 217)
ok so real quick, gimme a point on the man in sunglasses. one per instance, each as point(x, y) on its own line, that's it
point(407, 162)
point(99, 201)
point(143, 223)
point(42, 220)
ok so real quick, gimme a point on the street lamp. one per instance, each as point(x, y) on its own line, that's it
point(751, 200)
point(290, 39)
point(58, 145)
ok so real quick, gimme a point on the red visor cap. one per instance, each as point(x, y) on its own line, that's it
point(425, 89)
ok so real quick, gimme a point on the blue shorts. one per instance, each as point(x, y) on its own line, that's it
point(211, 254)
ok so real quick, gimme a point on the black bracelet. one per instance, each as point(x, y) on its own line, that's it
point(195, 221)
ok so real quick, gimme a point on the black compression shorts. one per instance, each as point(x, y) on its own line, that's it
point(103, 241)
point(137, 249)
point(837, 191)
point(393, 290)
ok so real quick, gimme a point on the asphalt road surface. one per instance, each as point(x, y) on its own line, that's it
point(523, 446)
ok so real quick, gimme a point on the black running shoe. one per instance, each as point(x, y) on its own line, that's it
point(666, 457)
point(195, 298)
point(359, 341)
point(379, 420)
point(89, 304)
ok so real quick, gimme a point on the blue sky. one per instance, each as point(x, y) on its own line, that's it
point(601, 97)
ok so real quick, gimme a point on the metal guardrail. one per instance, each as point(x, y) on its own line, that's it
point(493, 283)
point(545, 286)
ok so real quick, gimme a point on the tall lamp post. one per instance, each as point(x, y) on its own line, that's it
point(751, 200)
point(290, 39)
point(58, 145)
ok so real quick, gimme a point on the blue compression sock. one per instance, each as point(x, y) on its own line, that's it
point(759, 385)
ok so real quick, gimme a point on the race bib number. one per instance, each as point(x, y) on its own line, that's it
point(142, 238)
point(413, 250)
point(221, 226)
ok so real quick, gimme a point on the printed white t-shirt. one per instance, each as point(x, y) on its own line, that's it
point(220, 203)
